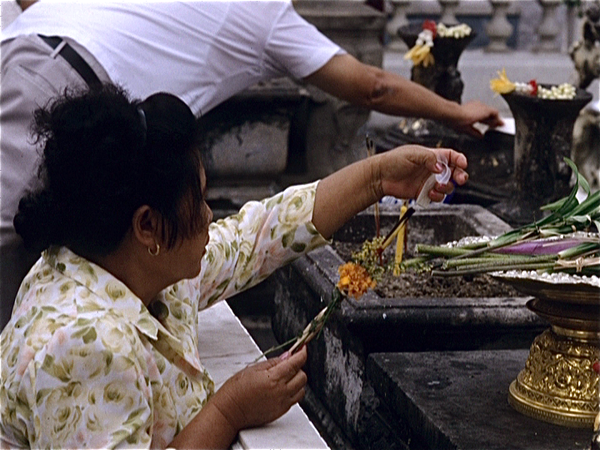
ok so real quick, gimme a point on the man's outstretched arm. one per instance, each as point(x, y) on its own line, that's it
point(347, 78)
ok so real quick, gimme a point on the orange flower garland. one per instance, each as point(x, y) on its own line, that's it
point(354, 280)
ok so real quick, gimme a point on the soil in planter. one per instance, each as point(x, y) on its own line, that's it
point(413, 284)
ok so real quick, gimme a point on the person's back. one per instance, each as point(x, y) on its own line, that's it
point(203, 52)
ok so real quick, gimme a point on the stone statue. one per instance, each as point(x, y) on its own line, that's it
point(586, 53)
point(586, 133)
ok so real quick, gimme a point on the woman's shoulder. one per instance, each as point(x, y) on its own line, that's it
point(55, 327)
point(53, 311)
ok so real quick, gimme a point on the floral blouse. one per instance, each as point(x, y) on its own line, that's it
point(86, 365)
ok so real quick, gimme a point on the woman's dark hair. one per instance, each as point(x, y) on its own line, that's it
point(104, 156)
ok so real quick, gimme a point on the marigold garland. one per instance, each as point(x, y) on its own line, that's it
point(354, 280)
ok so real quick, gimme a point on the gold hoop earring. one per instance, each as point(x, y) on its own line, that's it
point(155, 253)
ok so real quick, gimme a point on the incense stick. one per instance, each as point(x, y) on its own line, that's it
point(392, 234)
point(371, 152)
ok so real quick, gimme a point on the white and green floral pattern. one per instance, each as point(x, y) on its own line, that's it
point(86, 365)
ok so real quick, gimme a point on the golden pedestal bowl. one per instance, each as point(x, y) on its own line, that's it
point(559, 384)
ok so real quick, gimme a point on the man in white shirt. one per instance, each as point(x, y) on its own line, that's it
point(203, 52)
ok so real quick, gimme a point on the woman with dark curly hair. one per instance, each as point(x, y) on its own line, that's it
point(101, 350)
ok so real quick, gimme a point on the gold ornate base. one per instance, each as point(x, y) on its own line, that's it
point(558, 384)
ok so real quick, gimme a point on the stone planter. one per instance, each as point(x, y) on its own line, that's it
point(247, 135)
point(337, 358)
point(245, 143)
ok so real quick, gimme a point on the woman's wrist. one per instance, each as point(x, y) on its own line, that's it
point(376, 184)
point(210, 428)
point(344, 193)
point(224, 419)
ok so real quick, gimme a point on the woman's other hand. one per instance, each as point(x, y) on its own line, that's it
point(263, 392)
point(254, 396)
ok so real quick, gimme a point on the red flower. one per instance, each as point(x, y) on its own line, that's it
point(534, 87)
point(431, 26)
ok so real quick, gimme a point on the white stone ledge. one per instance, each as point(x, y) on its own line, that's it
point(225, 348)
point(471, 7)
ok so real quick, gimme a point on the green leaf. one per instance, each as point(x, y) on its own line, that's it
point(569, 202)
point(222, 285)
point(583, 184)
point(57, 371)
point(554, 206)
point(135, 415)
point(41, 395)
point(81, 322)
point(579, 250)
point(119, 435)
point(589, 206)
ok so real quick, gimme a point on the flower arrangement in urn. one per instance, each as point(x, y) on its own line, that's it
point(435, 49)
point(421, 52)
point(545, 116)
point(502, 85)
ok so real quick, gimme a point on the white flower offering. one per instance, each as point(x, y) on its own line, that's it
point(420, 53)
point(502, 85)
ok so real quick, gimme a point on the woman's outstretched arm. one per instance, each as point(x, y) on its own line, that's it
point(400, 172)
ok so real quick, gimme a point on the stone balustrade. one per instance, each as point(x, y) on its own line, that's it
point(554, 24)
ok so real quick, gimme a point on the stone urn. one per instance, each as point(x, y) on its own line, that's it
point(443, 76)
point(543, 137)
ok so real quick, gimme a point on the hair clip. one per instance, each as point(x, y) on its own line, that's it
point(143, 121)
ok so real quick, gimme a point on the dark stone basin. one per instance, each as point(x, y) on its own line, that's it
point(409, 324)
point(337, 358)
